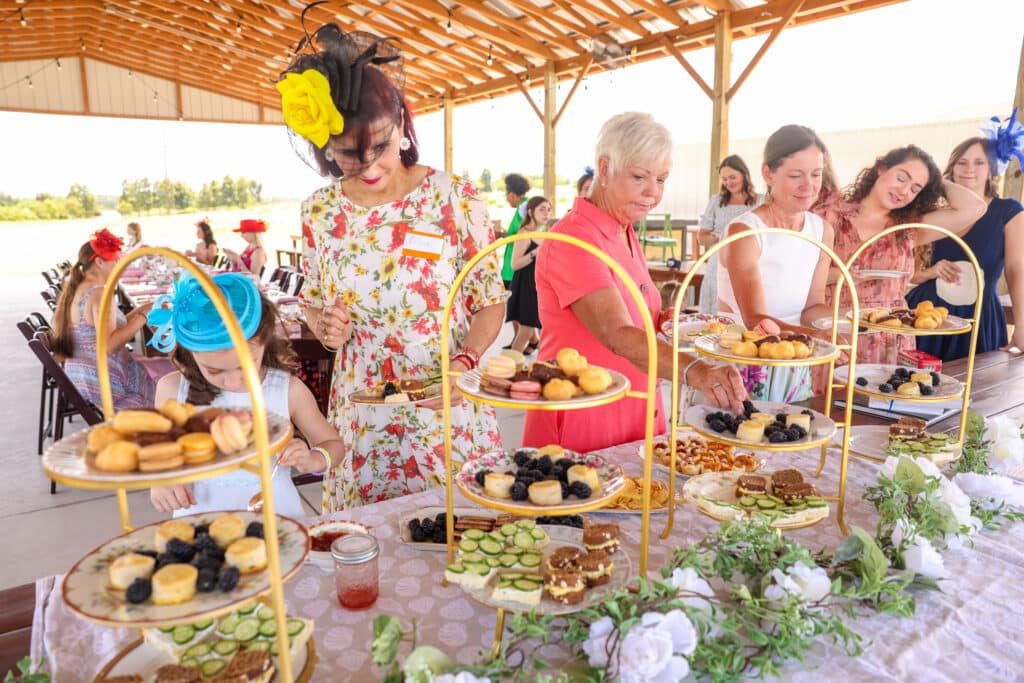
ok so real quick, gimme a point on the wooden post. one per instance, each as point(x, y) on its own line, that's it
point(719, 101)
point(1013, 179)
point(85, 84)
point(550, 106)
point(448, 131)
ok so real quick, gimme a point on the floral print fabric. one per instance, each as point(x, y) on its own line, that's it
point(395, 301)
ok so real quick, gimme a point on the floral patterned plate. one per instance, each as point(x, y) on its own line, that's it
point(609, 475)
point(376, 397)
point(714, 495)
point(560, 536)
point(822, 352)
point(947, 389)
point(87, 591)
point(469, 384)
point(821, 431)
point(691, 325)
point(67, 460)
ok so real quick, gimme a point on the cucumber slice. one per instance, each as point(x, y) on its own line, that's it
point(295, 626)
point(165, 629)
point(258, 645)
point(478, 569)
point(497, 537)
point(212, 667)
point(821, 504)
point(489, 547)
point(225, 647)
point(492, 562)
point(765, 504)
point(202, 625)
point(456, 568)
point(747, 501)
point(266, 612)
point(523, 539)
point(190, 661)
point(227, 624)
point(505, 583)
point(274, 648)
point(509, 529)
point(198, 650)
point(247, 629)
point(508, 560)
point(814, 499)
point(776, 500)
point(526, 523)
point(538, 534)
point(472, 558)
point(798, 505)
point(530, 560)
point(248, 608)
point(268, 628)
point(512, 550)
point(473, 534)
point(182, 634)
point(467, 545)
point(525, 585)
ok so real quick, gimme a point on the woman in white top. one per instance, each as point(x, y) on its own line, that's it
point(775, 277)
point(736, 198)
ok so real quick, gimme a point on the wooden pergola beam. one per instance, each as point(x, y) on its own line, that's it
point(719, 97)
point(575, 84)
point(787, 17)
point(526, 94)
point(674, 51)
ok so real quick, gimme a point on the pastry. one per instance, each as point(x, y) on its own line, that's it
point(495, 385)
point(926, 322)
point(249, 666)
point(197, 447)
point(764, 418)
point(249, 554)
point(750, 431)
point(130, 421)
point(801, 350)
point(594, 380)
point(909, 389)
point(751, 483)
point(910, 428)
point(102, 436)
point(563, 558)
point(176, 412)
point(129, 567)
point(159, 457)
point(784, 350)
point(766, 350)
point(498, 485)
point(796, 492)
point(565, 586)
point(546, 492)
point(501, 367)
point(517, 357)
point(227, 529)
point(229, 433)
point(752, 336)
point(119, 456)
point(559, 390)
point(174, 583)
point(571, 362)
point(526, 390)
point(176, 673)
point(601, 537)
point(554, 450)
point(799, 419)
point(545, 372)
point(150, 438)
point(784, 479)
point(173, 528)
point(201, 421)
point(729, 339)
point(596, 568)
point(873, 316)
point(588, 475)
point(745, 349)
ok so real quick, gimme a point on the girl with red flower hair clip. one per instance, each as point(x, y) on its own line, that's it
point(73, 336)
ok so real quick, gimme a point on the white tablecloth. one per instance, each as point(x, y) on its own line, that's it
point(969, 634)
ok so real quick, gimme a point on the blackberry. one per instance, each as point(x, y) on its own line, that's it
point(202, 529)
point(862, 381)
point(748, 407)
point(139, 591)
point(776, 437)
point(255, 529)
point(439, 535)
point(418, 535)
point(203, 561)
point(479, 476)
point(544, 464)
point(771, 429)
point(521, 458)
point(558, 472)
point(440, 518)
point(926, 390)
point(717, 425)
point(800, 431)
point(935, 379)
point(216, 552)
point(390, 389)
point(206, 581)
point(780, 417)
point(205, 541)
point(180, 550)
point(565, 463)
point(580, 490)
point(511, 473)
point(519, 491)
point(427, 525)
point(791, 434)
point(808, 413)
point(413, 525)
point(228, 579)
point(711, 417)
point(901, 372)
point(575, 520)
point(885, 388)
point(565, 489)
point(924, 385)
point(164, 559)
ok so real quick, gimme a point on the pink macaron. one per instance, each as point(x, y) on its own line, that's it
point(767, 327)
point(527, 390)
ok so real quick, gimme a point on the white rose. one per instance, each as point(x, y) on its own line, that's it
point(929, 468)
point(1006, 454)
point(652, 651)
point(993, 489)
point(596, 645)
point(922, 558)
point(688, 580)
point(899, 532)
point(813, 582)
point(1001, 427)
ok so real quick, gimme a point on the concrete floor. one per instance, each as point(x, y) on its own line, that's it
point(46, 534)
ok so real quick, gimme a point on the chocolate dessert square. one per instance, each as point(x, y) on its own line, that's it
point(783, 479)
point(751, 483)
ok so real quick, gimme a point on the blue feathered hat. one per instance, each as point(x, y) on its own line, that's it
point(192, 320)
point(1005, 141)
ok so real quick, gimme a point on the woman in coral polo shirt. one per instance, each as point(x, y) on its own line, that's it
point(583, 305)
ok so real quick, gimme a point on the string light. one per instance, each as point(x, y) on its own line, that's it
point(490, 57)
point(155, 96)
point(29, 78)
point(59, 67)
point(448, 28)
point(23, 20)
point(101, 46)
point(238, 27)
point(81, 41)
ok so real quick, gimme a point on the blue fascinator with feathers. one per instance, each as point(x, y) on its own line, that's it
point(1005, 141)
point(191, 319)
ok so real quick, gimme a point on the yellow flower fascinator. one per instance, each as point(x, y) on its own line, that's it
point(307, 106)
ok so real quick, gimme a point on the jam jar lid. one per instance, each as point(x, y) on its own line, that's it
point(354, 548)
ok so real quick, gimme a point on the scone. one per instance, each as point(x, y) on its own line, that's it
point(764, 418)
point(174, 583)
point(545, 492)
point(799, 419)
point(173, 528)
point(571, 362)
point(498, 485)
point(129, 567)
point(227, 529)
point(118, 456)
point(750, 431)
point(594, 380)
point(559, 390)
point(102, 436)
point(249, 554)
point(588, 475)
point(909, 389)
point(554, 450)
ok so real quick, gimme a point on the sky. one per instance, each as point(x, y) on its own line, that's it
point(914, 62)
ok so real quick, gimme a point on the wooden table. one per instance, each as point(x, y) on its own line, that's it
point(661, 275)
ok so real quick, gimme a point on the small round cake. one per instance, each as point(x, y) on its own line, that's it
point(588, 475)
point(118, 456)
point(174, 583)
point(249, 554)
point(545, 492)
point(909, 389)
point(502, 367)
point(197, 447)
point(554, 450)
point(173, 528)
point(595, 380)
point(227, 529)
point(498, 485)
point(526, 390)
point(559, 390)
point(129, 567)
point(102, 436)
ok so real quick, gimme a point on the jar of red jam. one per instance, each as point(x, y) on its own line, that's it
point(355, 570)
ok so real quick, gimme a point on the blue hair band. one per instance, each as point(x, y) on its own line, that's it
point(1005, 141)
point(192, 321)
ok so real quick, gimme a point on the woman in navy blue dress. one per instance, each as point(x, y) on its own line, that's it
point(997, 240)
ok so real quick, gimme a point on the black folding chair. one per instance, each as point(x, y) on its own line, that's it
point(30, 327)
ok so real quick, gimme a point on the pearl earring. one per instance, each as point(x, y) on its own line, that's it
point(404, 144)
point(328, 154)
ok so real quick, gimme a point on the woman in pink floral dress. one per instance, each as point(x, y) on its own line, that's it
point(382, 245)
point(903, 186)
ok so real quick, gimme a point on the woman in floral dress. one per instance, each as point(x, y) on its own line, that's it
point(903, 186)
point(382, 245)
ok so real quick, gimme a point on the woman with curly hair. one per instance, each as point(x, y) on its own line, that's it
point(902, 186)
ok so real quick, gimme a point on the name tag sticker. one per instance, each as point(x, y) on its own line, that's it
point(423, 245)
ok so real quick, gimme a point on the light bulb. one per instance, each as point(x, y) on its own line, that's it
point(59, 67)
point(21, 13)
point(30, 83)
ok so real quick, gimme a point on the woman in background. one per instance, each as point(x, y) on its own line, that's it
point(585, 182)
point(206, 248)
point(134, 237)
point(735, 198)
point(522, 304)
point(254, 257)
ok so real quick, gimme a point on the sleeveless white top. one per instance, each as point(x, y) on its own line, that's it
point(787, 268)
point(232, 491)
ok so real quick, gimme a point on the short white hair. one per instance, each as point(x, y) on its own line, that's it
point(633, 137)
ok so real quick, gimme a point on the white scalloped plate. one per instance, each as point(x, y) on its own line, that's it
point(721, 486)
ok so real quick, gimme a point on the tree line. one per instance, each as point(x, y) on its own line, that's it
point(79, 203)
point(488, 183)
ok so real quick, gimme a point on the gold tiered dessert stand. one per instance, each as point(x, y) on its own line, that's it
point(850, 348)
point(259, 462)
point(971, 326)
point(650, 396)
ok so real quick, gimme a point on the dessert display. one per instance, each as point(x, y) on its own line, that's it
point(783, 496)
point(763, 423)
point(924, 317)
point(908, 436)
point(695, 455)
point(900, 382)
point(399, 391)
point(427, 530)
point(569, 376)
point(601, 537)
point(766, 342)
point(169, 571)
point(631, 498)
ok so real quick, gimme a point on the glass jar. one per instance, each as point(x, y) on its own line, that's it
point(355, 570)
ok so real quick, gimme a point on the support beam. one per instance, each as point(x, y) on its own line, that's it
point(1013, 180)
point(526, 94)
point(674, 51)
point(85, 85)
point(448, 146)
point(719, 100)
point(550, 83)
point(791, 11)
point(575, 84)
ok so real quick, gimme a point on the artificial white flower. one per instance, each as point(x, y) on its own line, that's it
point(655, 650)
point(1001, 427)
point(461, 677)
point(809, 584)
point(690, 581)
point(922, 558)
point(1006, 454)
point(596, 644)
point(899, 532)
point(424, 662)
point(991, 489)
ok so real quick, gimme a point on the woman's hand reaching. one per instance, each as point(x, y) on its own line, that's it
point(297, 454)
point(334, 328)
point(171, 498)
point(721, 385)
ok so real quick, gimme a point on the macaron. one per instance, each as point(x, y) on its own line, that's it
point(767, 327)
point(501, 367)
point(527, 390)
point(517, 357)
point(495, 385)
point(197, 447)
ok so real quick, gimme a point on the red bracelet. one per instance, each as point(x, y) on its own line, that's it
point(471, 358)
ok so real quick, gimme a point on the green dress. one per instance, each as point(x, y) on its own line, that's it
point(513, 228)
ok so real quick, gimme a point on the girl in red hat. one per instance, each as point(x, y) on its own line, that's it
point(254, 257)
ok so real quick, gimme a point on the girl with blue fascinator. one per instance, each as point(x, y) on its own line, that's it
point(997, 240)
point(210, 373)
